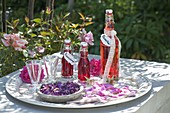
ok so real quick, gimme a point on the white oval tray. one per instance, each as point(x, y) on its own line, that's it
point(19, 90)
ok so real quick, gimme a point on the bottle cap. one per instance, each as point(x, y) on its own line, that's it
point(109, 11)
point(67, 41)
point(84, 44)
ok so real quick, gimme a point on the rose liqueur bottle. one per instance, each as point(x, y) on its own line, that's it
point(83, 64)
point(104, 49)
point(67, 67)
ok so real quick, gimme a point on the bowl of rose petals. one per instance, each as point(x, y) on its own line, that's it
point(60, 91)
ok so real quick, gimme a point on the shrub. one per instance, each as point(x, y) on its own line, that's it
point(44, 37)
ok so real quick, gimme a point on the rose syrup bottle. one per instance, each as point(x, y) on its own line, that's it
point(67, 68)
point(83, 64)
point(104, 50)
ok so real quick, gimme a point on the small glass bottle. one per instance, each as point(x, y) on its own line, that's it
point(67, 68)
point(104, 50)
point(83, 64)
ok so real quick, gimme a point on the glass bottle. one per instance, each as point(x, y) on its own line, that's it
point(83, 64)
point(104, 50)
point(67, 68)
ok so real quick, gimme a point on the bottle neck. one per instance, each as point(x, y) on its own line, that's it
point(83, 52)
point(67, 48)
point(109, 21)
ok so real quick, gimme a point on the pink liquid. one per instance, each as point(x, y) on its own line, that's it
point(83, 67)
point(114, 69)
point(67, 68)
point(104, 51)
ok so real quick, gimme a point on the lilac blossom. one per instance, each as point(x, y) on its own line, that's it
point(60, 88)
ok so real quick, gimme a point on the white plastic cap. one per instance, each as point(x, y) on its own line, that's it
point(109, 11)
point(67, 41)
point(84, 44)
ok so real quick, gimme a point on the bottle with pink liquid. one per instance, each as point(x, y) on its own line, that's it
point(67, 68)
point(104, 48)
point(83, 64)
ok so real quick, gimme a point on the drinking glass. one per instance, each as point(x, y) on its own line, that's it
point(50, 65)
point(34, 68)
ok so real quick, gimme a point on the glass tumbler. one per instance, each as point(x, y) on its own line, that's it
point(50, 65)
point(34, 68)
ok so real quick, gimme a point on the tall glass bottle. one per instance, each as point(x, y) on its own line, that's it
point(67, 68)
point(104, 50)
point(83, 64)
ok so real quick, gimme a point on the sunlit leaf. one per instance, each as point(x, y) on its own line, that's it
point(26, 19)
point(48, 11)
point(15, 22)
point(88, 18)
point(40, 36)
point(11, 27)
point(37, 20)
point(25, 53)
point(88, 23)
point(74, 25)
point(32, 35)
point(66, 15)
point(8, 22)
point(43, 33)
point(45, 23)
point(82, 16)
point(57, 28)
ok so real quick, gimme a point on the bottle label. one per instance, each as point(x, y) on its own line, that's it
point(69, 58)
point(107, 32)
point(105, 40)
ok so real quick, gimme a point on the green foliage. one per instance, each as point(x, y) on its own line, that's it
point(143, 28)
point(144, 33)
point(10, 60)
point(40, 33)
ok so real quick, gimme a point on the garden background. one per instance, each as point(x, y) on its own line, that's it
point(143, 27)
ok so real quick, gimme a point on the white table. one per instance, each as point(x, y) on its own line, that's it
point(155, 101)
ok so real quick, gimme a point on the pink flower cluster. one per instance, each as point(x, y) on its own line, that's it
point(25, 76)
point(95, 67)
point(15, 41)
point(86, 37)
